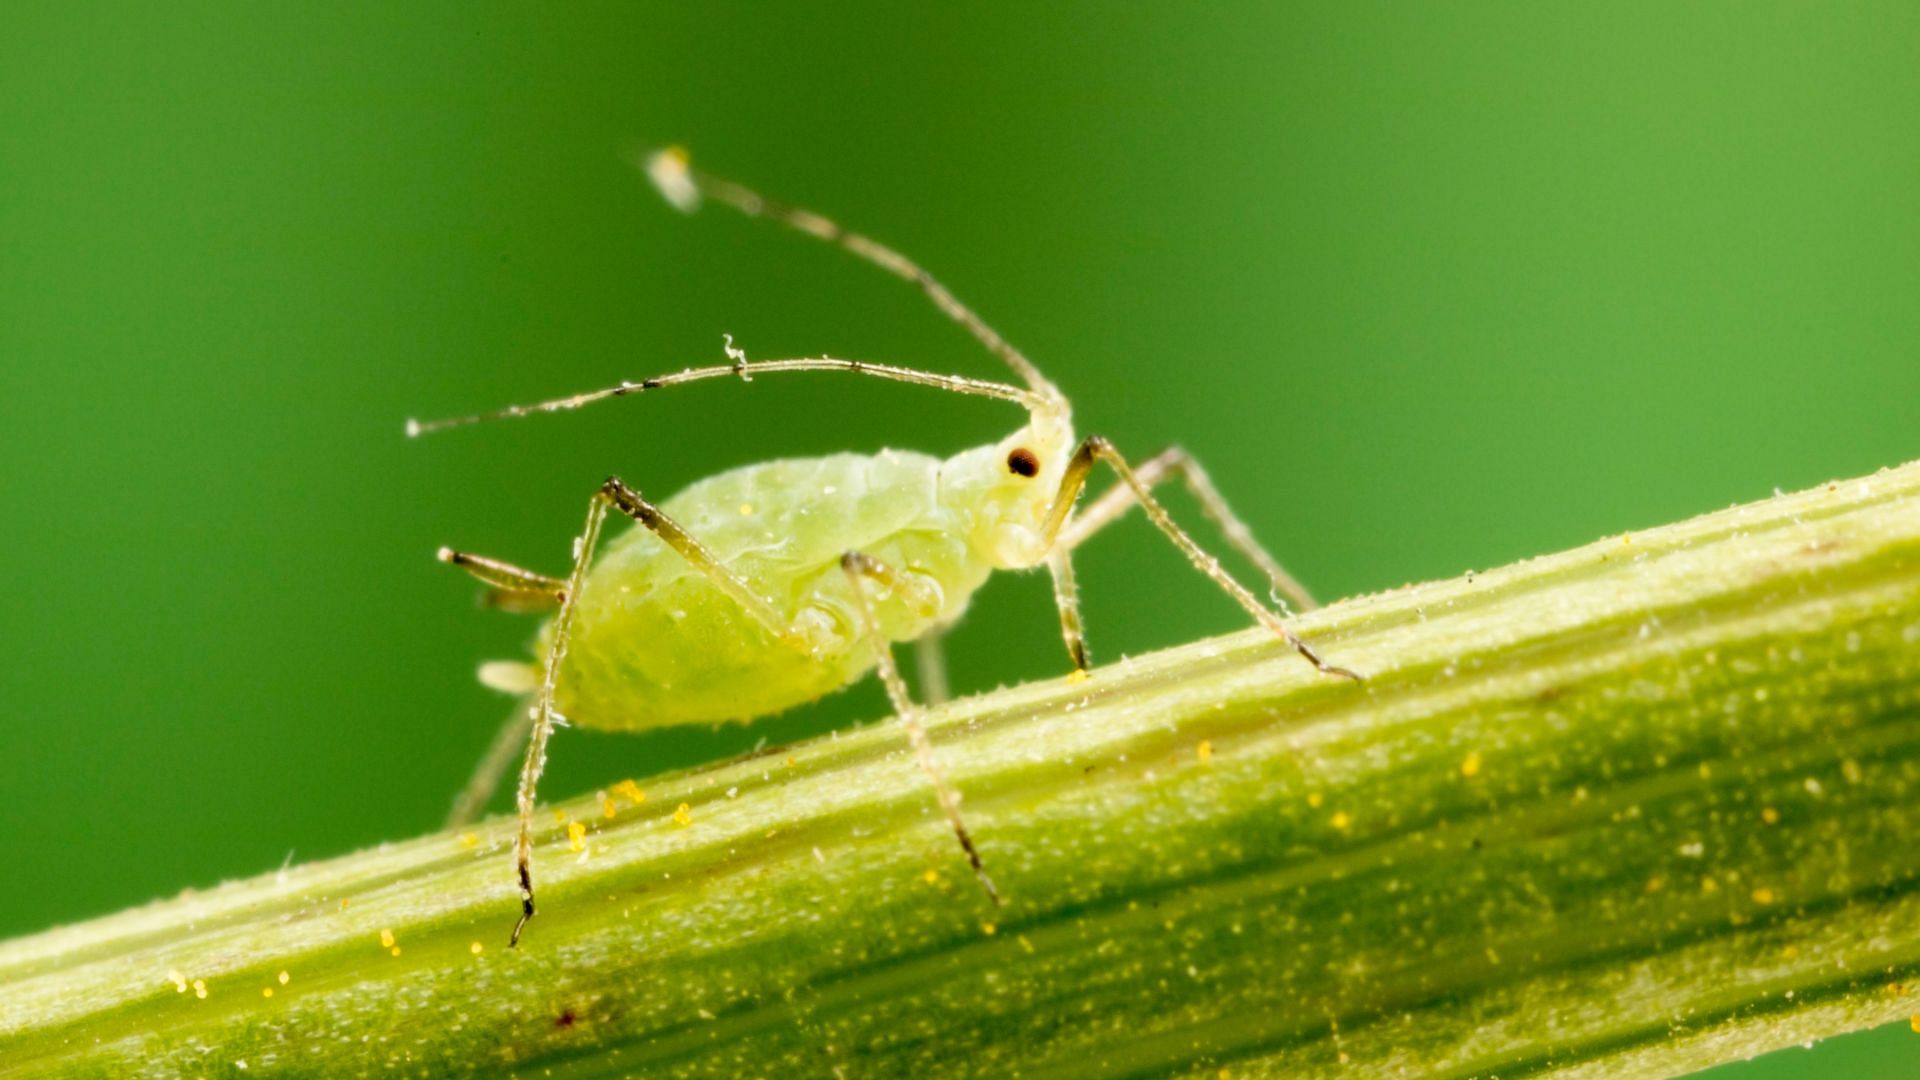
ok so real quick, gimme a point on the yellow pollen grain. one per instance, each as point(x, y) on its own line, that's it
point(266, 991)
point(1763, 896)
point(989, 929)
point(1078, 675)
point(179, 981)
point(683, 815)
point(395, 950)
point(1204, 751)
point(630, 791)
point(608, 809)
point(576, 836)
point(468, 839)
point(1770, 816)
point(1342, 819)
point(559, 817)
point(344, 902)
point(1313, 799)
point(200, 989)
point(790, 762)
point(476, 948)
point(386, 939)
point(285, 978)
point(930, 878)
point(1471, 766)
point(1656, 883)
point(746, 509)
point(1024, 943)
point(1914, 1022)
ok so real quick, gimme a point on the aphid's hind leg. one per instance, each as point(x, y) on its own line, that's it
point(1173, 462)
point(1095, 449)
point(616, 495)
point(493, 765)
point(509, 587)
point(863, 568)
point(541, 715)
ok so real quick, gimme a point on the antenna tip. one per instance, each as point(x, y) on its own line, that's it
point(413, 428)
point(669, 171)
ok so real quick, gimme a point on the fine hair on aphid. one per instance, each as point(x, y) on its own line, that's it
point(771, 584)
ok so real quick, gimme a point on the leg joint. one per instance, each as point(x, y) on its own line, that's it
point(628, 501)
point(859, 562)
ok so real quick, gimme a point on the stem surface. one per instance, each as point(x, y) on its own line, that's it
point(1630, 810)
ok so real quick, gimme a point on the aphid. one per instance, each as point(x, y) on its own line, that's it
point(770, 585)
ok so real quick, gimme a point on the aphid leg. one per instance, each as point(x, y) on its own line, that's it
point(493, 765)
point(500, 575)
point(614, 494)
point(521, 601)
point(930, 660)
point(631, 503)
point(1095, 449)
point(541, 714)
point(509, 587)
point(1066, 598)
point(860, 569)
point(1172, 462)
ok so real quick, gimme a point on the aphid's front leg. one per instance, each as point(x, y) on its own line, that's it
point(861, 569)
point(1173, 462)
point(1095, 449)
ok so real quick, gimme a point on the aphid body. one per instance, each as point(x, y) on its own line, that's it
point(656, 643)
point(769, 585)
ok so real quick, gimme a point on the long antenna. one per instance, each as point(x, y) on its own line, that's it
point(744, 369)
point(683, 185)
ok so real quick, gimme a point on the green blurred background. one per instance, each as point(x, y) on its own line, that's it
point(1428, 288)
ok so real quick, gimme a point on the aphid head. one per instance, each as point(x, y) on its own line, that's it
point(1008, 487)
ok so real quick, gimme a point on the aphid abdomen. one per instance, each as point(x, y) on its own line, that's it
point(656, 643)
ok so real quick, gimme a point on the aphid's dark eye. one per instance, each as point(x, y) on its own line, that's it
point(1022, 463)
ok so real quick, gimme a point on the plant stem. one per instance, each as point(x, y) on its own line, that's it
point(1635, 809)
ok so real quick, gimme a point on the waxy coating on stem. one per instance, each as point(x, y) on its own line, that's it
point(770, 585)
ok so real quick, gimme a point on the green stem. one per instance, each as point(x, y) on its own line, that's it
point(1635, 809)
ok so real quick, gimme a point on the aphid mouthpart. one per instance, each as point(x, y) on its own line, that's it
point(690, 617)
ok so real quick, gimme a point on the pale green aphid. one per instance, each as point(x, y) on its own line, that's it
point(770, 585)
